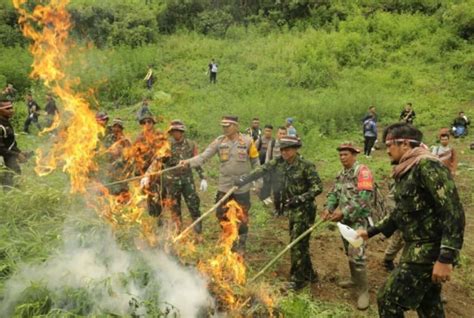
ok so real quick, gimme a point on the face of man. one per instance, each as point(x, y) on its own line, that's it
point(347, 158)
point(117, 130)
point(230, 130)
point(29, 98)
point(444, 140)
point(255, 124)
point(396, 150)
point(147, 125)
point(372, 110)
point(6, 109)
point(177, 134)
point(407, 107)
point(281, 133)
point(267, 132)
point(289, 154)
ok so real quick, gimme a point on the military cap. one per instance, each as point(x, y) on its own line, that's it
point(101, 116)
point(348, 146)
point(177, 124)
point(229, 120)
point(5, 101)
point(145, 117)
point(118, 122)
point(290, 141)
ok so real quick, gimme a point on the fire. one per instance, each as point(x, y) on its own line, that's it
point(48, 27)
point(227, 269)
point(55, 124)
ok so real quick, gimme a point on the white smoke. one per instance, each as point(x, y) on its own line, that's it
point(94, 261)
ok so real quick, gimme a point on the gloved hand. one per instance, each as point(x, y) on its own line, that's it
point(203, 186)
point(145, 182)
point(241, 181)
point(294, 201)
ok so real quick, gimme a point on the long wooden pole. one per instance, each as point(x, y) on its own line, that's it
point(139, 177)
point(215, 206)
point(289, 246)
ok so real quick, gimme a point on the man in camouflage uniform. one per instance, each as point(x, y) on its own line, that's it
point(238, 155)
point(116, 144)
point(429, 214)
point(150, 147)
point(301, 184)
point(9, 150)
point(180, 183)
point(352, 194)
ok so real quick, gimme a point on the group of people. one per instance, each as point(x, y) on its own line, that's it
point(427, 211)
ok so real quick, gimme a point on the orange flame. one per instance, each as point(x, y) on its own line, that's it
point(227, 269)
point(48, 27)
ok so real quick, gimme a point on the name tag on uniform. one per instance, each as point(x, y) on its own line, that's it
point(242, 153)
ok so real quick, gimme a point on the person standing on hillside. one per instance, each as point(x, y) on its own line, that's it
point(51, 110)
point(460, 124)
point(445, 152)
point(430, 216)
point(33, 114)
point(290, 129)
point(349, 203)
point(408, 114)
point(370, 134)
point(300, 186)
point(9, 150)
point(262, 146)
point(212, 69)
point(144, 109)
point(149, 77)
point(371, 112)
point(254, 131)
point(180, 183)
point(276, 179)
point(238, 156)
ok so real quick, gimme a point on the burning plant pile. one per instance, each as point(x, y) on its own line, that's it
point(138, 278)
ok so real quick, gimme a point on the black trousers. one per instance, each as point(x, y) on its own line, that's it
point(368, 144)
point(213, 78)
point(28, 122)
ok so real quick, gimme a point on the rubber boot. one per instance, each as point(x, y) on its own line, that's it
point(239, 245)
point(362, 288)
point(349, 282)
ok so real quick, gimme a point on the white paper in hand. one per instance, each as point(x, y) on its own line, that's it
point(350, 235)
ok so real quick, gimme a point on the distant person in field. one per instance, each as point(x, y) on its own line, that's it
point(290, 129)
point(370, 134)
point(371, 112)
point(276, 182)
point(254, 130)
point(9, 150)
point(51, 110)
point(33, 114)
point(10, 92)
point(459, 127)
point(144, 109)
point(445, 152)
point(149, 77)
point(262, 146)
point(212, 71)
point(408, 114)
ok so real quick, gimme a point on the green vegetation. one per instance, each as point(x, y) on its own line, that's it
point(322, 62)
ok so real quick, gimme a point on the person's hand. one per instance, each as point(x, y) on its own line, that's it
point(325, 215)
point(294, 201)
point(145, 182)
point(363, 234)
point(183, 163)
point(336, 216)
point(441, 272)
point(203, 185)
point(22, 157)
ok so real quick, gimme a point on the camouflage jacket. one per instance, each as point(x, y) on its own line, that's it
point(180, 151)
point(299, 178)
point(352, 193)
point(8, 146)
point(429, 214)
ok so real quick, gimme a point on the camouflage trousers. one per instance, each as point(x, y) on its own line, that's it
point(356, 255)
point(183, 187)
point(301, 219)
point(409, 286)
point(394, 246)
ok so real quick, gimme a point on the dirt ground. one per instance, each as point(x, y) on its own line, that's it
point(331, 263)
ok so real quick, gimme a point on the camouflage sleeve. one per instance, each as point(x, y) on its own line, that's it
point(439, 183)
point(358, 208)
point(198, 169)
point(332, 199)
point(260, 171)
point(315, 184)
point(387, 226)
